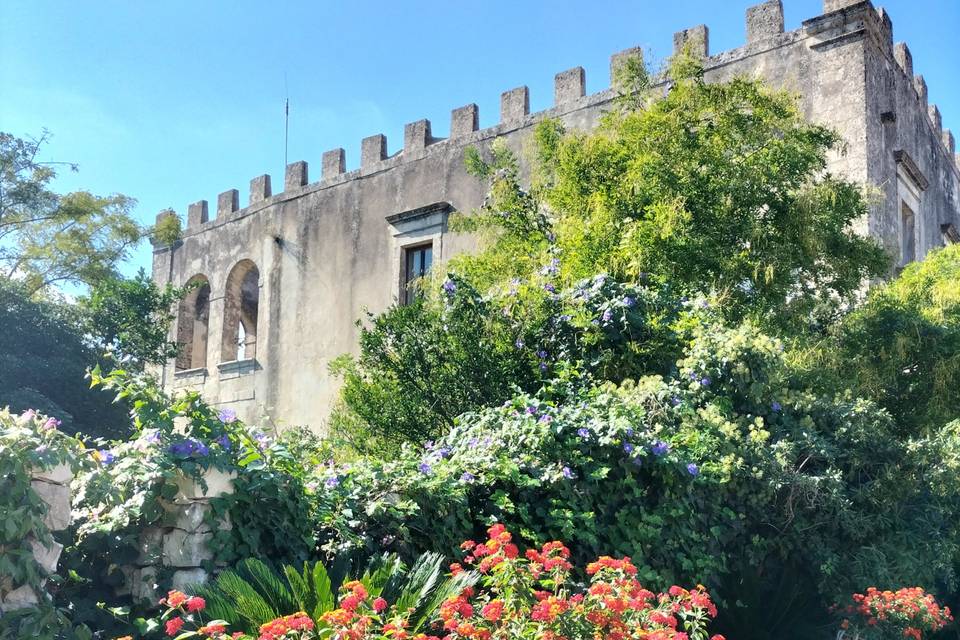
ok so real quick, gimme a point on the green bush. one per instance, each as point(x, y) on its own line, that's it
point(726, 472)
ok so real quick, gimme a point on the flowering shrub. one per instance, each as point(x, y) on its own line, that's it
point(30, 442)
point(726, 472)
point(906, 613)
point(531, 596)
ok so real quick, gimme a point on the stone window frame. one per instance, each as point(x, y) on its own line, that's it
point(911, 183)
point(416, 228)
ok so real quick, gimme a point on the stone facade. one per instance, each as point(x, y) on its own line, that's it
point(285, 278)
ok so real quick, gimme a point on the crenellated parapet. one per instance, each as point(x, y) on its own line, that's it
point(765, 30)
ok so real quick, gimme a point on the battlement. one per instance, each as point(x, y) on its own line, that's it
point(764, 24)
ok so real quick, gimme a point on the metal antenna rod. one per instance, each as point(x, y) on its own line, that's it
point(286, 120)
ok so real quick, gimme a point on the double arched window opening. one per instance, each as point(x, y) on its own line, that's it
point(241, 300)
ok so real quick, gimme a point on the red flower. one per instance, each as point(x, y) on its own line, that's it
point(212, 629)
point(175, 599)
point(379, 605)
point(196, 603)
point(493, 610)
point(174, 625)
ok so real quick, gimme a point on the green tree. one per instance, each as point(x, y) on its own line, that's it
point(44, 355)
point(711, 187)
point(901, 348)
point(716, 188)
point(52, 239)
point(132, 317)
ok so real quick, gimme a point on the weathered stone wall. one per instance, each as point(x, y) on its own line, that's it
point(180, 546)
point(53, 487)
point(328, 250)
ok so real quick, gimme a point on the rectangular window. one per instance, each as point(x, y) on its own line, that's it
point(417, 261)
point(908, 238)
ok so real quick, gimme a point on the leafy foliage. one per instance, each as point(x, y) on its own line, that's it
point(714, 186)
point(727, 471)
point(29, 443)
point(902, 346)
point(131, 317)
point(253, 594)
point(43, 359)
point(47, 238)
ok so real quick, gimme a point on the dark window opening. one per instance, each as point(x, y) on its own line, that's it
point(417, 262)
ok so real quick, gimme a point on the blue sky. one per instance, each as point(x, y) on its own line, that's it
point(172, 102)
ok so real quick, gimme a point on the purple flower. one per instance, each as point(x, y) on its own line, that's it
point(331, 482)
point(542, 354)
point(467, 477)
point(29, 414)
point(473, 442)
point(705, 381)
point(629, 302)
point(567, 473)
point(607, 315)
point(153, 438)
point(424, 468)
point(443, 452)
point(106, 456)
point(693, 469)
point(660, 448)
point(694, 375)
point(262, 439)
point(546, 419)
point(227, 416)
point(629, 432)
point(776, 406)
point(543, 366)
point(531, 410)
point(627, 447)
point(675, 401)
point(583, 432)
point(51, 424)
point(551, 237)
point(449, 287)
point(202, 449)
point(549, 288)
point(636, 460)
point(224, 441)
point(519, 343)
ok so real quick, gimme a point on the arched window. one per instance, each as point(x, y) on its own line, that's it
point(192, 319)
point(240, 302)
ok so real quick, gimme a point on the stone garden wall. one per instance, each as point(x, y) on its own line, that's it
point(53, 487)
point(179, 546)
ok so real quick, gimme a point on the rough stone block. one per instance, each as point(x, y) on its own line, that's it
point(920, 86)
point(192, 517)
point(218, 483)
point(150, 546)
point(260, 189)
point(197, 214)
point(228, 202)
point(901, 52)
point(935, 118)
point(182, 549)
point(183, 579)
point(514, 104)
point(60, 474)
point(373, 149)
point(334, 163)
point(46, 557)
point(949, 142)
point(19, 598)
point(464, 121)
point(57, 498)
point(569, 86)
point(295, 175)
point(885, 27)
point(697, 38)
point(620, 59)
point(416, 136)
point(764, 20)
point(143, 585)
